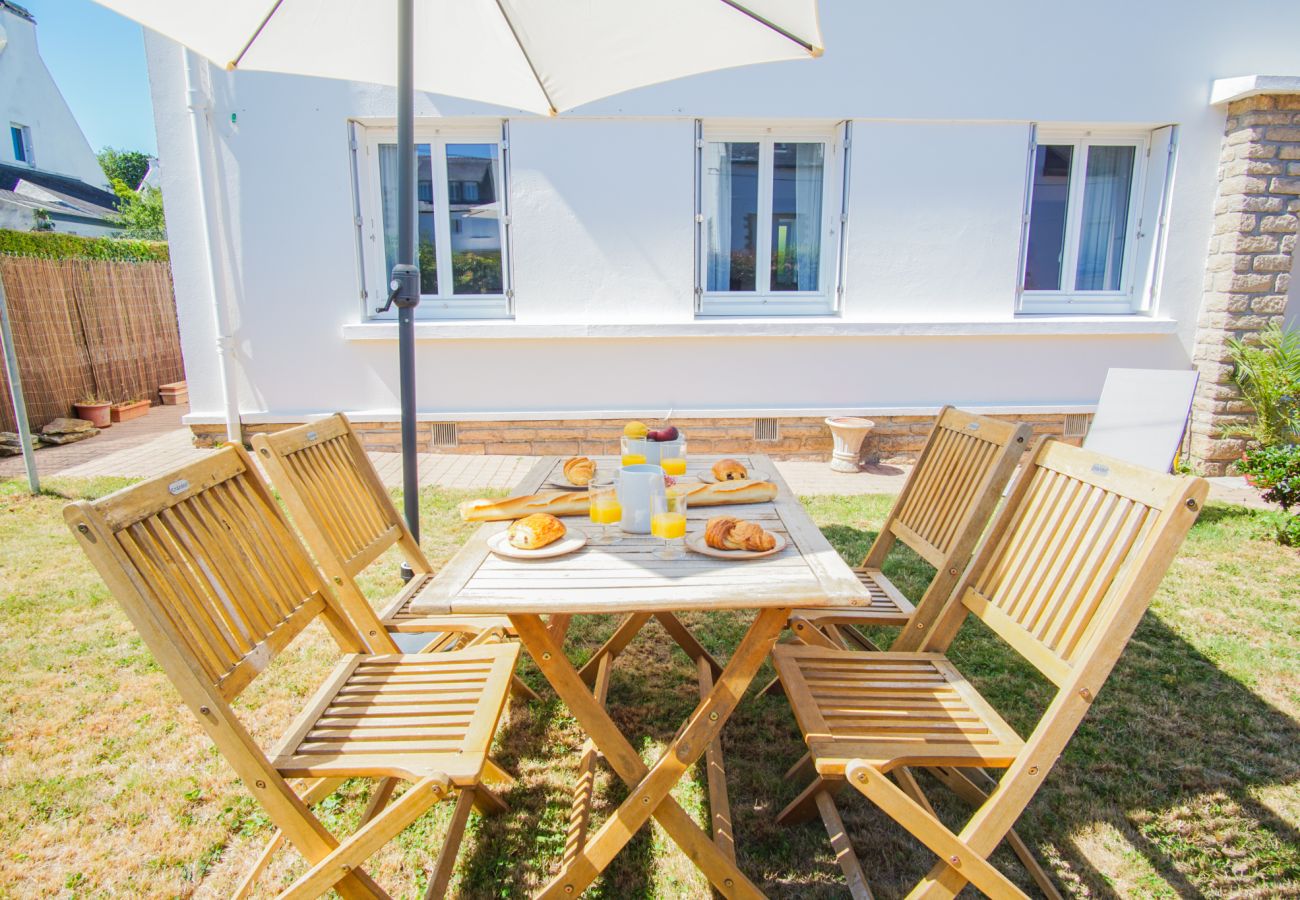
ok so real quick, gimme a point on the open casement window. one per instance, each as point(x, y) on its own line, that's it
point(462, 218)
point(21, 137)
point(768, 211)
point(1094, 214)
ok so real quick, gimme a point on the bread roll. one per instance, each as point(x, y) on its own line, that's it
point(729, 470)
point(557, 503)
point(535, 531)
point(579, 470)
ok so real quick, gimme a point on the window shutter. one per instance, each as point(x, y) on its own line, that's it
point(841, 256)
point(1026, 199)
point(1154, 212)
point(699, 215)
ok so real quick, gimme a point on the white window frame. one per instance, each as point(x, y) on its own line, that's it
point(445, 304)
point(1067, 301)
point(763, 301)
point(24, 135)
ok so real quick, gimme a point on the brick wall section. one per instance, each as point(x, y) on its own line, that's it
point(895, 438)
point(1251, 257)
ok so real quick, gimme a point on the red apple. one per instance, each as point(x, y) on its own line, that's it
point(659, 435)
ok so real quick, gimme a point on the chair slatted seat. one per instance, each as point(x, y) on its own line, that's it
point(1063, 577)
point(348, 520)
point(208, 570)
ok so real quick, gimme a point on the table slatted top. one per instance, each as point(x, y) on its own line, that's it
point(626, 577)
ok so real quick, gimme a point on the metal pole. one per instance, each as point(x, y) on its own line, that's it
point(406, 276)
point(16, 390)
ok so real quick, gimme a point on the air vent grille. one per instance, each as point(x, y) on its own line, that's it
point(444, 434)
point(767, 430)
point(1076, 425)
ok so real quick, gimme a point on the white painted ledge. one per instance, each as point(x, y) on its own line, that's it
point(760, 328)
point(531, 415)
point(1225, 90)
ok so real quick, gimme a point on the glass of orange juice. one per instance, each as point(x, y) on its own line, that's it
point(605, 509)
point(675, 464)
point(668, 521)
point(632, 450)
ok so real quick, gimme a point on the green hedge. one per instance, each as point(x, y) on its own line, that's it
point(53, 245)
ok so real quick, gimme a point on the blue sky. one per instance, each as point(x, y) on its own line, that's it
point(97, 60)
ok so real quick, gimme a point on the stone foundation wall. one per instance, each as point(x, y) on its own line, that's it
point(1251, 258)
point(895, 439)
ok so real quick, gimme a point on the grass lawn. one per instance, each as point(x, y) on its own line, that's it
point(1183, 781)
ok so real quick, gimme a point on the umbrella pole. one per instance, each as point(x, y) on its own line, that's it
point(406, 275)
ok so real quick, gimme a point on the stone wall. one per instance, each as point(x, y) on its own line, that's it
point(1250, 262)
point(895, 439)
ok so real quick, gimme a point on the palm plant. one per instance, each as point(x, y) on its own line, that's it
point(1268, 374)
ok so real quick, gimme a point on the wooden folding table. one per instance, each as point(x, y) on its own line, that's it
point(627, 579)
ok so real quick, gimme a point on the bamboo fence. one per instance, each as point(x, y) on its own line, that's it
point(88, 328)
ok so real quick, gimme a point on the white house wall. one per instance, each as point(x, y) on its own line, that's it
point(941, 103)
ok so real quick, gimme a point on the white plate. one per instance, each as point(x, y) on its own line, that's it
point(500, 545)
point(708, 477)
point(695, 541)
point(561, 484)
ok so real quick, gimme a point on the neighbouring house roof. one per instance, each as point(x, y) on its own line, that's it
point(35, 189)
point(16, 10)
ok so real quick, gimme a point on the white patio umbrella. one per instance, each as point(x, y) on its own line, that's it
point(545, 56)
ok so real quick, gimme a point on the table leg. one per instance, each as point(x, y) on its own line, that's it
point(650, 786)
point(618, 641)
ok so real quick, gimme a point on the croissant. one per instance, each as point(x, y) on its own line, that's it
point(730, 533)
point(537, 530)
point(579, 470)
point(729, 470)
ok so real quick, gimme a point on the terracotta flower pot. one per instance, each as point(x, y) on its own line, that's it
point(97, 414)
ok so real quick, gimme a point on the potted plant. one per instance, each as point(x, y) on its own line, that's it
point(94, 410)
point(129, 409)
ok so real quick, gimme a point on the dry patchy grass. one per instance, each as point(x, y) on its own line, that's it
point(1183, 781)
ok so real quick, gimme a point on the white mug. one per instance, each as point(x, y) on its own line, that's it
point(636, 485)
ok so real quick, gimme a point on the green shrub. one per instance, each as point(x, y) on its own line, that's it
point(1275, 471)
point(52, 245)
point(1268, 374)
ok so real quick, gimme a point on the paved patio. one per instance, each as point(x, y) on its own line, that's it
point(159, 442)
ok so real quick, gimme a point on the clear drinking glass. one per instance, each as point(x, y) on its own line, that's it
point(631, 450)
point(605, 510)
point(668, 521)
point(674, 464)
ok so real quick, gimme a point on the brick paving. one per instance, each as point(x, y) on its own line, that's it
point(158, 443)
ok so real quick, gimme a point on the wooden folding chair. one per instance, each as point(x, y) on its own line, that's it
point(941, 512)
point(1064, 576)
point(348, 520)
point(207, 568)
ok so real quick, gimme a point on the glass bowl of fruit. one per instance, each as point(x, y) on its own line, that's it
point(663, 446)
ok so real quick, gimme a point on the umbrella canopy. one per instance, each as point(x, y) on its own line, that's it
point(546, 56)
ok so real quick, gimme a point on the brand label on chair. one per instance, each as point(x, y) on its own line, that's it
point(179, 486)
point(972, 426)
point(1099, 469)
point(311, 435)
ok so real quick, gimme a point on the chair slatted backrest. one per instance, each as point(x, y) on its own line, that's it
point(951, 479)
point(1072, 562)
point(336, 497)
point(203, 560)
point(946, 503)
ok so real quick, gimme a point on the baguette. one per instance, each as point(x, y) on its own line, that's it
point(724, 493)
point(557, 503)
point(575, 503)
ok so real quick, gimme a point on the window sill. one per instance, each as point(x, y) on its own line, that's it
point(733, 327)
